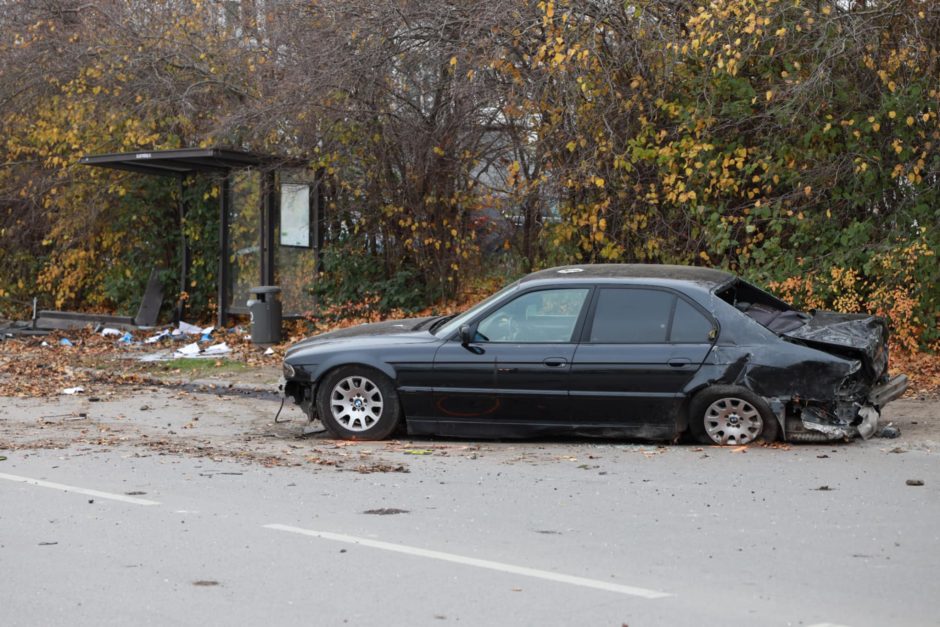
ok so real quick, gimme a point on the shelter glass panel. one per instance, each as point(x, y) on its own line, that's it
point(244, 225)
point(297, 246)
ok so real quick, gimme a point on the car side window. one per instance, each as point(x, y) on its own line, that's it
point(545, 316)
point(689, 325)
point(632, 316)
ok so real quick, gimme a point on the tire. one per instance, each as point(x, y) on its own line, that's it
point(358, 403)
point(729, 415)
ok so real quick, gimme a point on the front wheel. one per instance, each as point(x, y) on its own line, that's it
point(729, 415)
point(358, 403)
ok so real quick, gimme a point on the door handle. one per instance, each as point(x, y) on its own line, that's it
point(554, 362)
point(678, 363)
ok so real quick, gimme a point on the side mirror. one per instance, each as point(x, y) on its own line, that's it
point(466, 334)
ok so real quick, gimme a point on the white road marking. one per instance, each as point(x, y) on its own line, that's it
point(472, 561)
point(68, 488)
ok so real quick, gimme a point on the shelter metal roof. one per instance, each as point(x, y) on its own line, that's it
point(180, 162)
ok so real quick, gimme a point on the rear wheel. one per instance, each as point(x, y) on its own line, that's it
point(730, 415)
point(358, 403)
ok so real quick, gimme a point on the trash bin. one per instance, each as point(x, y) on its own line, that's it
point(265, 310)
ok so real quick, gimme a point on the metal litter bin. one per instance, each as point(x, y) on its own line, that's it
point(265, 310)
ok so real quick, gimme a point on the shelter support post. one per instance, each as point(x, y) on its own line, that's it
point(225, 200)
point(268, 226)
point(184, 250)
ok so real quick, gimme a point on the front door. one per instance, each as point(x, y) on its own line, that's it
point(515, 371)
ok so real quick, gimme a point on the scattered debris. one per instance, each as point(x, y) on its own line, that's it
point(217, 349)
point(386, 511)
point(889, 431)
point(156, 338)
point(48, 543)
point(824, 488)
point(190, 350)
point(914, 482)
point(189, 329)
point(105, 332)
point(71, 391)
point(65, 342)
point(365, 469)
point(419, 451)
point(205, 583)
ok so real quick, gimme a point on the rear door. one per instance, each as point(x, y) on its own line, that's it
point(639, 348)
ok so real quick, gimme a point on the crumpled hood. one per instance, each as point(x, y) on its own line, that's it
point(859, 334)
point(387, 327)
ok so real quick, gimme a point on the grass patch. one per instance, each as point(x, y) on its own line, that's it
point(192, 366)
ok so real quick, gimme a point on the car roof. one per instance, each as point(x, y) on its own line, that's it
point(708, 278)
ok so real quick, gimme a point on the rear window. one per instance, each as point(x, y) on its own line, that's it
point(632, 316)
point(689, 326)
point(768, 311)
point(646, 316)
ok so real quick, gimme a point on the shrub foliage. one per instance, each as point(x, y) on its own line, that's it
point(796, 142)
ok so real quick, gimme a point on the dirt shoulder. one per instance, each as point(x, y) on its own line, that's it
point(136, 398)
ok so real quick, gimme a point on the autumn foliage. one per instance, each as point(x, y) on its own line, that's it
point(795, 142)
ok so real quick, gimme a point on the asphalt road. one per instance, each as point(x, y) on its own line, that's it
point(108, 531)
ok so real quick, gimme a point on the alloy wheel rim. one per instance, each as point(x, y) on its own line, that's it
point(733, 421)
point(356, 403)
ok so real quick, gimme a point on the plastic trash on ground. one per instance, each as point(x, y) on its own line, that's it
point(65, 342)
point(105, 332)
point(76, 390)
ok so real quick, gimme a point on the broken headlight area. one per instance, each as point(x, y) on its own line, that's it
point(855, 410)
point(838, 420)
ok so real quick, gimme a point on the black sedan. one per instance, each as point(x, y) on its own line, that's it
point(631, 351)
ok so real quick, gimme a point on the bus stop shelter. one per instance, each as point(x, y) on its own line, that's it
point(270, 221)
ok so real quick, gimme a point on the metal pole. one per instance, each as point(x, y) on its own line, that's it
point(184, 250)
point(224, 253)
point(267, 228)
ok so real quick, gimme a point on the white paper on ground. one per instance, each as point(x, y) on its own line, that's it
point(156, 338)
point(189, 329)
point(109, 331)
point(187, 351)
point(218, 349)
point(75, 390)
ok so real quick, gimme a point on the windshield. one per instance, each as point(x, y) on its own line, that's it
point(451, 327)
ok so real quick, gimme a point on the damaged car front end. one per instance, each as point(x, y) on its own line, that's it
point(828, 377)
point(861, 392)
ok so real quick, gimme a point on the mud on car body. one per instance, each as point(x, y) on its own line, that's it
point(636, 351)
